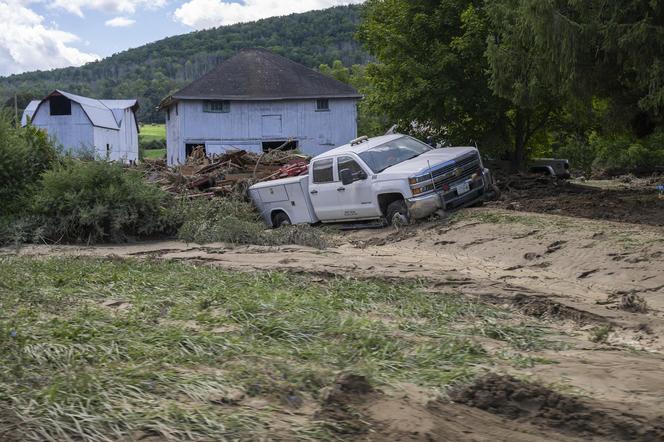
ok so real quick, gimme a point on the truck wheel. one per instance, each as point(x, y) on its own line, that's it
point(281, 219)
point(397, 213)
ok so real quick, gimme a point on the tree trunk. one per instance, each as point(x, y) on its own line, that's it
point(520, 139)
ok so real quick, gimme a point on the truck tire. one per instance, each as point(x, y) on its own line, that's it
point(280, 219)
point(397, 213)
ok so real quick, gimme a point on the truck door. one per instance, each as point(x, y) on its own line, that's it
point(356, 199)
point(324, 190)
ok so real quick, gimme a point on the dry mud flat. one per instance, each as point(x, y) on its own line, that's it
point(598, 284)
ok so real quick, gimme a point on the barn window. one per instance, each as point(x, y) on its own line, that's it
point(60, 105)
point(322, 171)
point(217, 106)
point(322, 104)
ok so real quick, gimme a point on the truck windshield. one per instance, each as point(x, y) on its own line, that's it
point(393, 152)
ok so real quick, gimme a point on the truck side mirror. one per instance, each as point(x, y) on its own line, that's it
point(346, 176)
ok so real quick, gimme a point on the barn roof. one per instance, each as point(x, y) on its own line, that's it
point(258, 74)
point(102, 113)
point(29, 111)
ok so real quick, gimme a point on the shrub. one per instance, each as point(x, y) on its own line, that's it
point(622, 154)
point(94, 201)
point(152, 144)
point(24, 154)
point(580, 154)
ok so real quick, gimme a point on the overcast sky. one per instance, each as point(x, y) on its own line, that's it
point(46, 34)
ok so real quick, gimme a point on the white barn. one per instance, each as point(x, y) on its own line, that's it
point(106, 128)
point(256, 101)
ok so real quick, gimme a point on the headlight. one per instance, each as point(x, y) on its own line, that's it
point(421, 190)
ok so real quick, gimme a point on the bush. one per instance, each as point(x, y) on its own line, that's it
point(623, 154)
point(234, 220)
point(580, 154)
point(152, 144)
point(24, 154)
point(94, 201)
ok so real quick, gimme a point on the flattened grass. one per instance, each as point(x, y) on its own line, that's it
point(99, 350)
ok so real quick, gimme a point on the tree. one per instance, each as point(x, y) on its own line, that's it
point(436, 70)
point(612, 50)
point(369, 122)
point(517, 73)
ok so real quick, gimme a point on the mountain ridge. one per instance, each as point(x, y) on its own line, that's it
point(152, 71)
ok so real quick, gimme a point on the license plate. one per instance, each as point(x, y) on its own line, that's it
point(462, 188)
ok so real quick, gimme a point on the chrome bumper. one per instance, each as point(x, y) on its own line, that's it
point(423, 206)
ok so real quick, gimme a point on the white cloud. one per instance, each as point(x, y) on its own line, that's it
point(200, 14)
point(109, 6)
point(26, 43)
point(119, 22)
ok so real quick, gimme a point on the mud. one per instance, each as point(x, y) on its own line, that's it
point(573, 274)
point(354, 410)
point(633, 204)
point(339, 402)
point(542, 307)
point(533, 403)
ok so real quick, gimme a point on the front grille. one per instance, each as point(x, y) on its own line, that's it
point(466, 174)
point(456, 171)
point(462, 162)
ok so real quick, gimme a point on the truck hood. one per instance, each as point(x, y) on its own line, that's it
point(421, 164)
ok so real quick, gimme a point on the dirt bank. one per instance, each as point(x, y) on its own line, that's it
point(628, 200)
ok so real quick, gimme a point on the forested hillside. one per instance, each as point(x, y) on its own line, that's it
point(152, 71)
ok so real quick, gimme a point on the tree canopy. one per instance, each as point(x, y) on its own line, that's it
point(506, 73)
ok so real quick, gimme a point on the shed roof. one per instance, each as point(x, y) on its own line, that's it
point(258, 74)
point(102, 113)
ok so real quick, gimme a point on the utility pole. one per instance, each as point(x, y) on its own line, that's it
point(16, 111)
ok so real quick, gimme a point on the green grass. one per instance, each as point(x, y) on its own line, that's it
point(180, 344)
point(150, 132)
point(154, 154)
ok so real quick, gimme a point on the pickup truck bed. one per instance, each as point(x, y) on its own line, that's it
point(288, 195)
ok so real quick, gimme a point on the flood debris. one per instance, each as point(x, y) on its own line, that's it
point(203, 176)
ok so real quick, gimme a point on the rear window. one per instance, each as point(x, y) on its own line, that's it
point(322, 171)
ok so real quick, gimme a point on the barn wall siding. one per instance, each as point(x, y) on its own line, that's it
point(128, 143)
point(174, 144)
point(73, 132)
point(250, 122)
point(107, 137)
point(76, 133)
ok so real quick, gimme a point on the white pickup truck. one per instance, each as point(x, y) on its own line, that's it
point(384, 178)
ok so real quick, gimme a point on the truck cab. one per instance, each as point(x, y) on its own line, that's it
point(388, 177)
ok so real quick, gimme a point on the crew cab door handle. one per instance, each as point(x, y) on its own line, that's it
point(341, 189)
point(313, 192)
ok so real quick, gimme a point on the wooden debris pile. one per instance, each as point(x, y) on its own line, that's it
point(232, 172)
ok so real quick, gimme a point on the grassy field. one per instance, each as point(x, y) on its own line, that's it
point(96, 350)
point(151, 132)
point(154, 154)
